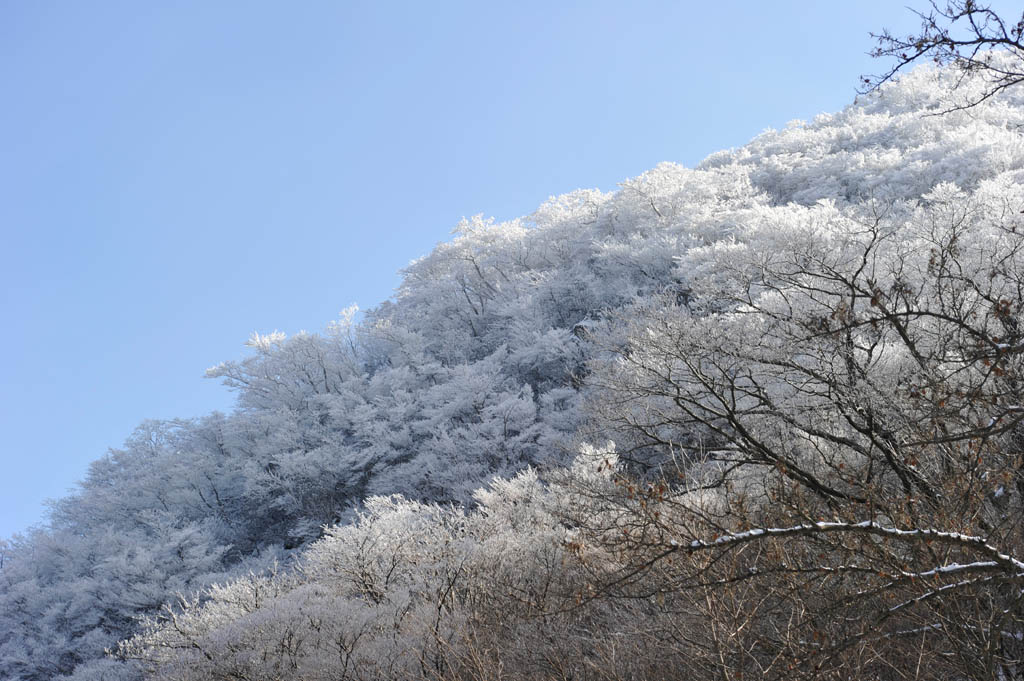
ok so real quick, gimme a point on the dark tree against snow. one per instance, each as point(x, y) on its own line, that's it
point(966, 34)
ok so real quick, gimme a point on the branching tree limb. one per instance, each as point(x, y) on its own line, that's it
point(965, 33)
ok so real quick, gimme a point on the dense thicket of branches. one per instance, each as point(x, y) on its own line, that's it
point(807, 352)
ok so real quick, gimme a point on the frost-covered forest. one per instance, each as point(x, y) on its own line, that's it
point(760, 418)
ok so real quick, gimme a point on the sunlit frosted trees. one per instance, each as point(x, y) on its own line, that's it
point(818, 327)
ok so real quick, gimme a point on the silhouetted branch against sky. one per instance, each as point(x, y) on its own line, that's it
point(965, 33)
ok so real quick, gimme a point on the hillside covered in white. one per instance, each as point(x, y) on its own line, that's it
point(760, 417)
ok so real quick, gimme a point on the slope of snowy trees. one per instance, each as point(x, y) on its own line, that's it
point(806, 352)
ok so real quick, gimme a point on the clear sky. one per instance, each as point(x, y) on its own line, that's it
point(176, 175)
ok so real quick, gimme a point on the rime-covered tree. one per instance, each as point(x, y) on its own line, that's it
point(819, 323)
point(808, 347)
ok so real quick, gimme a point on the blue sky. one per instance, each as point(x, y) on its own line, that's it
point(176, 175)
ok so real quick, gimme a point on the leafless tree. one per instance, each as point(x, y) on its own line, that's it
point(965, 33)
point(846, 435)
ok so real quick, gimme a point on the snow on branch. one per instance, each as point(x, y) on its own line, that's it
point(998, 558)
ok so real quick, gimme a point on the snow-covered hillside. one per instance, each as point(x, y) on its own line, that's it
point(513, 345)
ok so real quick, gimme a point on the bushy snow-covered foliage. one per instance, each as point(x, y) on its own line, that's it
point(480, 367)
point(392, 594)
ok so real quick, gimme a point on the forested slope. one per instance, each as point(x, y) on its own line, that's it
point(623, 316)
